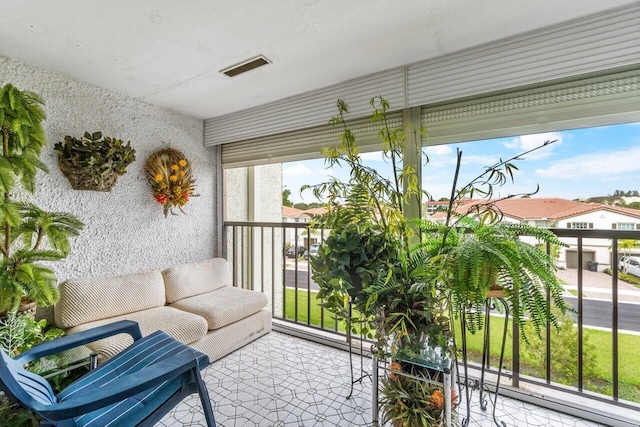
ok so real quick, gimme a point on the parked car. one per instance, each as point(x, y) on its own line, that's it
point(313, 250)
point(295, 251)
point(630, 265)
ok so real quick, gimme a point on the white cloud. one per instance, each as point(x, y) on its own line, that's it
point(480, 159)
point(440, 156)
point(375, 156)
point(602, 165)
point(529, 142)
point(299, 169)
point(439, 162)
point(438, 150)
point(467, 161)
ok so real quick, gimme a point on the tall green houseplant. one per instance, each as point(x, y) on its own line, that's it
point(416, 276)
point(364, 215)
point(29, 235)
point(460, 259)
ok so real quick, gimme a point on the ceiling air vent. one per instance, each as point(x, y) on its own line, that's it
point(245, 66)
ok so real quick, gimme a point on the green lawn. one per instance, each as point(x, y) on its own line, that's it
point(316, 310)
point(629, 362)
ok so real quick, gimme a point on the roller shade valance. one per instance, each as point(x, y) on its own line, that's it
point(303, 144)
point(605, 99)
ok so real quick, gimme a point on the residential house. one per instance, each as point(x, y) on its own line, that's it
point(294, 215)
point(432, 206)
point(563, 213)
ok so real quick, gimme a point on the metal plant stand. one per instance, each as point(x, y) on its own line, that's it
point(484, 392)
point(363, 374)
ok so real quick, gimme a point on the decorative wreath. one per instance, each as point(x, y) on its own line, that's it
point(169, 174)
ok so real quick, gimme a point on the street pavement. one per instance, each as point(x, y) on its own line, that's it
point(595, 285)
point(596, 292)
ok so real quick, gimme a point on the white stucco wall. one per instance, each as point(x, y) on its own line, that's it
point(600, 248)
point(603, 220)
point(125, 229)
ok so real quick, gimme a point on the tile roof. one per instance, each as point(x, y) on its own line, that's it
point(289, 212)
point(622, 210)
point(542, 208)
point(315, 211)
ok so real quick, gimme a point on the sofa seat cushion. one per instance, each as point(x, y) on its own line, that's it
point(223, 306)
point(185, 327)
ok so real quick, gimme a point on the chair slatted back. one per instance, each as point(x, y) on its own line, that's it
point(19, 384)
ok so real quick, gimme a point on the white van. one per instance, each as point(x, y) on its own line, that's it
point(630, 265)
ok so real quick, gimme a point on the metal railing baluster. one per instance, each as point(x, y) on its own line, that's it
point(548, 333)
point(241, 247)
point(580, 318)
point(614, 317)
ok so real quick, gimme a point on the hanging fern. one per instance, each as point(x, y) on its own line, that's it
point(487, 256)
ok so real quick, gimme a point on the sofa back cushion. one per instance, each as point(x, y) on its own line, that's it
point(196, 278)
point(90, 299)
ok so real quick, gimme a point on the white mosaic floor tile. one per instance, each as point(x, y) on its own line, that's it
point(284, 381)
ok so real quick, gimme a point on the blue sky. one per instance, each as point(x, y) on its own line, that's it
point(582, 163)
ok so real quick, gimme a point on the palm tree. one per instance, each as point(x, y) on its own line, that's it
point(23, 226)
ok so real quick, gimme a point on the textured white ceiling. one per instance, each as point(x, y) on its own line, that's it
point(170, 52)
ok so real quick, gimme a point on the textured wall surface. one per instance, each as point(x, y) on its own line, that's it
point(125, 229)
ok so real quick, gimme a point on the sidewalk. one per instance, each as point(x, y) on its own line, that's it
point(303, 264)
point(597, 285)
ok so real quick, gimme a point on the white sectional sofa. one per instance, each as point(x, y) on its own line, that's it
point(194, 303)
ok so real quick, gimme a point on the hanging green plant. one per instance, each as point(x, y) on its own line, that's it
point(93, 162)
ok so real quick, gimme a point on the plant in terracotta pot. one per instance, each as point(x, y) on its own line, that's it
point(29, 235)
point(93, 162)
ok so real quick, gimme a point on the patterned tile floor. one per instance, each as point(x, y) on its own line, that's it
point(280, 380)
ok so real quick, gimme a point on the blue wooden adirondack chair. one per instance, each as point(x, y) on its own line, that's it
point(135, 388)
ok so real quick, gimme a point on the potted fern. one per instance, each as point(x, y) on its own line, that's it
point(29, 235)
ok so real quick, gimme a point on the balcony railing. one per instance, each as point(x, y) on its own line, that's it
point(257, 252)
point(258, 255)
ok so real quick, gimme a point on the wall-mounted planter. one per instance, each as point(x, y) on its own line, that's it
point(81, 178)
point(93, 162)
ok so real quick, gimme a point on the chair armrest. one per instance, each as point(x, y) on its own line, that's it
point(74, 340)
point(125, 387)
